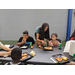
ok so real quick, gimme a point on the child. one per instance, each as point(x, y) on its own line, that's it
point(16, 55)
point(54, 41)
point(25, 38)
point(73, 36)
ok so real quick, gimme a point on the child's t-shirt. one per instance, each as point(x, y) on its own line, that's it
point(57, 44)
point(10, 63)
point(30, 39)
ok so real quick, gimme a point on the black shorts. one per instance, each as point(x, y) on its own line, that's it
point(39, 37)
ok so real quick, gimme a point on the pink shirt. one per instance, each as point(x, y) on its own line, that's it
point(56, 45)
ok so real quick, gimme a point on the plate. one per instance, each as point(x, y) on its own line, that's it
point(27, 57)
point(24, 47)
point(59, 56)
point(48, 48)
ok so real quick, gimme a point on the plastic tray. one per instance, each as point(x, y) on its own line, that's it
point(27, 58)
point(60, 55)
point(47, 49)
point(11, 46)
point(27, 46)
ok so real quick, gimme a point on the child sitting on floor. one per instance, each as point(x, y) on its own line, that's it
point(16, 55)
point(54, 41)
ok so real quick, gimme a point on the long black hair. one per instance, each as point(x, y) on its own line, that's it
point(73, 35)
point(45, 34)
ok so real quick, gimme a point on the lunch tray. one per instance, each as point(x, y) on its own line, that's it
point(27, 58)
point(60, 55)
point(11, 46)
point(27, 46)
point(47, 49)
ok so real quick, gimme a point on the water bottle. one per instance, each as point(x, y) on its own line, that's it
point(59, 45)
point(30, 44)
point(74, 57)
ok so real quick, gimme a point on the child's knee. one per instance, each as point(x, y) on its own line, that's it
point(38, 43)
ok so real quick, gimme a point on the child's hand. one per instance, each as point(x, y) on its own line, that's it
point(9, 53)
point(43, 42)
point(24, 40)
point(50, 43)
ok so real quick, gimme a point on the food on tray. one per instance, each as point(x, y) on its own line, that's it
point(24, 56)
point(64, 58)
point(32, 53)
point(59, 59)
point(47, 47)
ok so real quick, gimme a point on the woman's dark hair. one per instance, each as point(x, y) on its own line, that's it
point(26, 32)
point(45, 34)
point(16, 54)
point(55, 34)
point(73, 35)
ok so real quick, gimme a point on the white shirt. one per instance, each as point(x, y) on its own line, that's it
point(14, 64)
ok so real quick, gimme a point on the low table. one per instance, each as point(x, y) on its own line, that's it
point(42, 57)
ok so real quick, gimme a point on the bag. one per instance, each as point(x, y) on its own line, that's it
point(70, 47)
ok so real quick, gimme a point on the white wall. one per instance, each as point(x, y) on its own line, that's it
point(14, 21)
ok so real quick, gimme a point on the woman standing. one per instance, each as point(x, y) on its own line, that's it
point(41, 33)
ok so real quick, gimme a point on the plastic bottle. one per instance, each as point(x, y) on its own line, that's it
point(30, 44)
point(74, 56)
point(59, 45)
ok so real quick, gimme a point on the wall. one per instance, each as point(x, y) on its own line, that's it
point(14, 21)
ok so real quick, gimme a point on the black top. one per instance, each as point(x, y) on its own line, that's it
point(30, 39)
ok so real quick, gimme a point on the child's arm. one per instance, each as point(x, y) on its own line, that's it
point(50, 43)
point(5, 48)
point(4, 53)
point(20, 43)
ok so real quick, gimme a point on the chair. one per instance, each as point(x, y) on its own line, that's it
point(58, 40)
